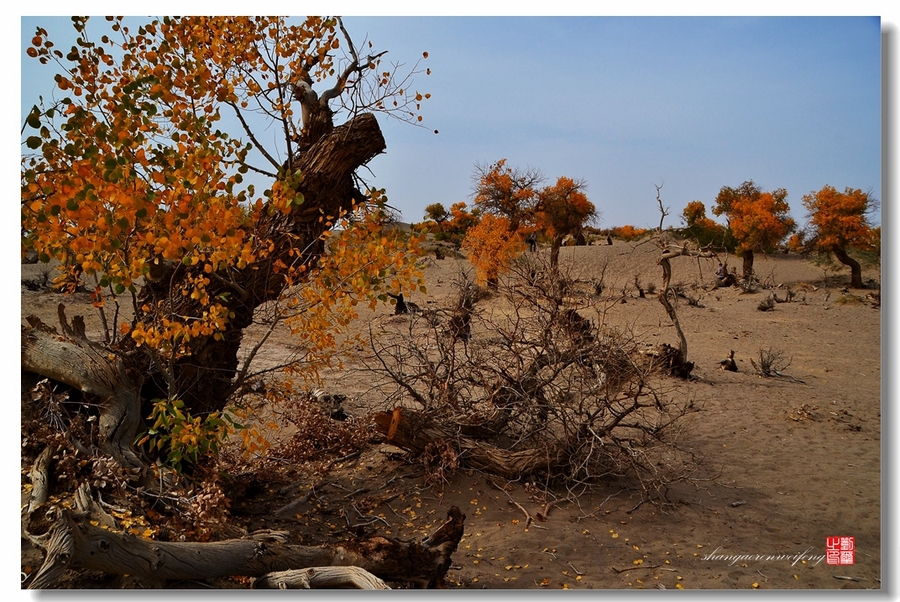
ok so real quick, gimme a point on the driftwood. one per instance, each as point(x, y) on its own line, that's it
point(413, 431)
point(72, 542)
point(321, 577)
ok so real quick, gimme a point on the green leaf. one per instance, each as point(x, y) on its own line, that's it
point(33, 142)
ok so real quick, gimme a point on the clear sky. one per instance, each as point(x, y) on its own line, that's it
point(626, 103)
point(623, 103)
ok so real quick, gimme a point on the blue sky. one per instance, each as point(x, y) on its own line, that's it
point(622, 103)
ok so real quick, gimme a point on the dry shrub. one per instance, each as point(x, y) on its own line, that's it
point(541, 376)
point(315, 435)
point(441, 461)
point(848, 299)
point(770, 362)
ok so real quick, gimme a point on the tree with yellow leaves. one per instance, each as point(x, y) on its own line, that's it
point(758, 220)
point(132, 179)
point(839, 221)
point(491, 246)
point(563, 209)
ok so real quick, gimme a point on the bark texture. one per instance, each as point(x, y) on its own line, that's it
point(205, 378)
point(72, 542)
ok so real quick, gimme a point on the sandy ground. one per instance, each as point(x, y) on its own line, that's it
point(794, 461)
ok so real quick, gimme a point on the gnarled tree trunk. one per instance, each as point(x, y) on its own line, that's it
point(855, 269)
point(204, 379)
point(91, 369)
point(74, 543)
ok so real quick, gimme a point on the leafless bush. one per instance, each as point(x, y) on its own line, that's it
point(651, 288)
point(770, 362)
point(638, 286)
point(688, 295)
point(540, 378)
point(43, 280)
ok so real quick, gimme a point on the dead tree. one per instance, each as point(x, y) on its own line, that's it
point(679, 366)
point(73, 542)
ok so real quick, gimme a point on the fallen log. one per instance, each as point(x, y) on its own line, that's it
point(321, 577)
point(74, 543)
point(413, 431)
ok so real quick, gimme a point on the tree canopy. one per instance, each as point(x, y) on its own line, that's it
point(563, 209)
point(135, 178)
point(759, 220)
point(838, 222)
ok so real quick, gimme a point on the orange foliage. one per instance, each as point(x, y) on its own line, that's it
point(628, 232)
point(563, 208)
point(130, 169)
point(759, 220)
point(491, 246)
point(694, 212)
point(839, 219)
point(507, 192)
point(461, 219)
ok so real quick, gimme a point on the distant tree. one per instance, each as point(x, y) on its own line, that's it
point(508, 192)
point(628, 232)
point(703, 229)
point(436, 213)
point(694, 213)
point(563, 209)
point(491, 245)
point(758, 220)
point(838, 222)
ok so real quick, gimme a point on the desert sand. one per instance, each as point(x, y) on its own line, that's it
point(787, 462)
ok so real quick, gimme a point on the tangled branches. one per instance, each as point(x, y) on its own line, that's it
point(537, 387)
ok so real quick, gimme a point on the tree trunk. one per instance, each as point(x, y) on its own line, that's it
point(205, 378)
point(748, 264)
point(554, 252)
point(679, 366)
point(92, 370)
point(855, 269)
point(73, 543)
